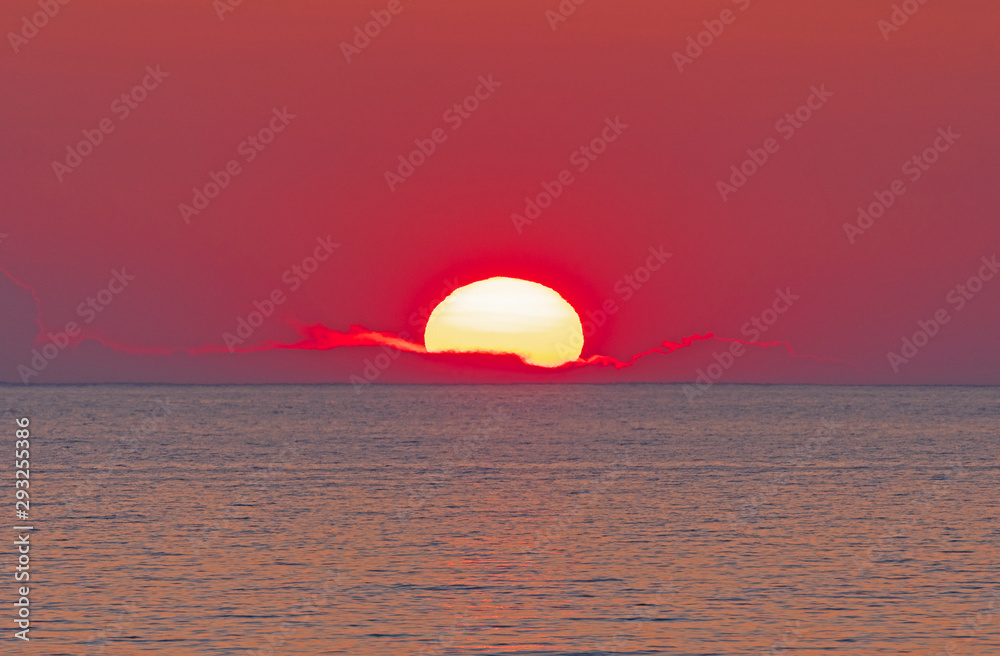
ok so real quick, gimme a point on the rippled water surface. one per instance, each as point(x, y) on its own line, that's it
point(511, 520)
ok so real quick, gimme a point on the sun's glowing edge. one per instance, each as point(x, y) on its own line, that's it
point(507, 316)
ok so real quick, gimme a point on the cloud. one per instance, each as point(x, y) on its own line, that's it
point(317, 337)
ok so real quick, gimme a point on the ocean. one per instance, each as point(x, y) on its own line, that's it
point(509, 519)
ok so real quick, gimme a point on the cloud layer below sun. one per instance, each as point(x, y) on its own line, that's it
point(499, 316)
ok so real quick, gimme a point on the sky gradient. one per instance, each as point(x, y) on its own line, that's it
point(638, 132)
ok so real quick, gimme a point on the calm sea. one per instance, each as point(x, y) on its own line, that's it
point(523, 520)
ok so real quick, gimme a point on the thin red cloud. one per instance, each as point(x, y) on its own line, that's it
point(670, 347)
point(317, 337)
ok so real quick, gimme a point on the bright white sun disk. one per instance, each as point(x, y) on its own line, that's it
point(507, 315)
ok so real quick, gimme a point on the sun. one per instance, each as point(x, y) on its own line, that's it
point(507, 315)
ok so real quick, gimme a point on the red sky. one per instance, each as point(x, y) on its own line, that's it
point(886, 95)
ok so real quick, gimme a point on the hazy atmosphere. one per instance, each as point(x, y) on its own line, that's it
point(688, 178)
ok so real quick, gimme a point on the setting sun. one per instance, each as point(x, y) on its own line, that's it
point(507, 315)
